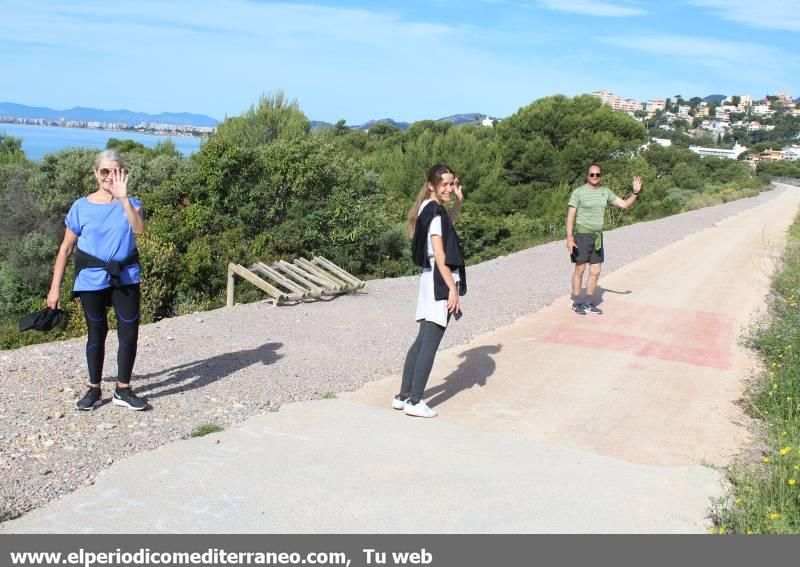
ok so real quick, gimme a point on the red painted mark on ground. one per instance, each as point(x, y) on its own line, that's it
point(696, 338)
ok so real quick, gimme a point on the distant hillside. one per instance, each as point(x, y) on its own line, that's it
point(455, 119)
point(320, 125)
point(94, 114)
point(459, 119)
point(715, 98)
point(389, 121)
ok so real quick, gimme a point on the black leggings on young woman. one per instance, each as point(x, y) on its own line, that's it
point(419, 360)
point(125, 300)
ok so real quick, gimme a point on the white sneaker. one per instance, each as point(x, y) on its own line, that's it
point(419, 410)
point(397, 403)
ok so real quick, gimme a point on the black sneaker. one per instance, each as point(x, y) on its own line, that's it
point(125, 397)
point(590, 308)
point(578, 308)
point(91, 400)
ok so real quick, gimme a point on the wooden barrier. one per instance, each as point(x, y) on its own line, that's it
point(299, 281)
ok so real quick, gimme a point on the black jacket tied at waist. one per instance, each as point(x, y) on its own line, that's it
point(453, 253)
point(113, 267)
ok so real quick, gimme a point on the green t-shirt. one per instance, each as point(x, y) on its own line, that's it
point(591, 206)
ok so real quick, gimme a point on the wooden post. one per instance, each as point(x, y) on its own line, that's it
point(229, 302)
point(311, 267)
point(316, 291)
point(325, 283)
point(323, 262)
point(267, 288)
point(278, 278)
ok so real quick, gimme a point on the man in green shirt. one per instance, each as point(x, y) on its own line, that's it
point(585, 218)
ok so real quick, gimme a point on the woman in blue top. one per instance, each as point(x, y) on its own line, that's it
point(103, 226)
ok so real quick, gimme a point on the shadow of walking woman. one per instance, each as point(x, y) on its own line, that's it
point(476, 367)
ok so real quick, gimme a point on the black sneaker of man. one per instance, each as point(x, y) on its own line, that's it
point(590, 308)
point(91, 400)
point(126, 398)
point(578, 308)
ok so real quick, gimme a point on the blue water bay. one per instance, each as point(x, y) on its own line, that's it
point(37, 141)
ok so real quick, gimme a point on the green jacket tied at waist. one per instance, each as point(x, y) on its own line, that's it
point(598, 235)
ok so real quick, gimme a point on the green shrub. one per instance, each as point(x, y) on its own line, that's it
point(206, 429)
point(765, 495)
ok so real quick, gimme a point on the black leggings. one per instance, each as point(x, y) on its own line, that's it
point(125, 300)
point(419, 360)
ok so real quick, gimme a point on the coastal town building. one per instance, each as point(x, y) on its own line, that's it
point(791, 153)
point(762, 109)
point(617, 102)
point(771, 155)
point(143, 127)
point(751, 161)
point(656, 104)
point(719, 152)
point(784, 99)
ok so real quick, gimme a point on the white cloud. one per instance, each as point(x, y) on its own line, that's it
point(592, 8)
point(581, 7)
point(767, 14)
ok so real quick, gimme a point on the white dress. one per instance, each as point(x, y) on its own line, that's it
point(427, 306)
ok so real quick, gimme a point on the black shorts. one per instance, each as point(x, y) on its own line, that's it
point(584, 250)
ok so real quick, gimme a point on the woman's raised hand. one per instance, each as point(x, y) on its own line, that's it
point(119, 184)
point(458, 190)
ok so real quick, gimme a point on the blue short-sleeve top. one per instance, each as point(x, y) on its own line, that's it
point(104, 232)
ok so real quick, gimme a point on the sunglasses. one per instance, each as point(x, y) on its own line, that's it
point(595, 175)
point(105, 172)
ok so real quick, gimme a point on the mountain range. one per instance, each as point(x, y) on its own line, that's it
point(83, 114)
point(79, 113)
point(455, 119)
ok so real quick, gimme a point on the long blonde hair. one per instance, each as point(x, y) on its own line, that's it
point(434, 176)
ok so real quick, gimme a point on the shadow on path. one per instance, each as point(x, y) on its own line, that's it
point(199, 373)
point(601, 291)
point(476, 367)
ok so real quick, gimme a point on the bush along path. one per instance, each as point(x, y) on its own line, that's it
point(765, 494)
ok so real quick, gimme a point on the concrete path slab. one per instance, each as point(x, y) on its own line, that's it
point(333, 466)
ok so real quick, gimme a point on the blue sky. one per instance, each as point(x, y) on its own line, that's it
point(408, 60)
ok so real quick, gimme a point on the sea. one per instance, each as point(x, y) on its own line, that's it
point(38, 141)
